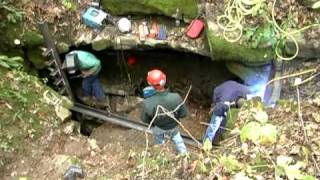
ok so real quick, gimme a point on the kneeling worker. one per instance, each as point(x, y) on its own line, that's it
point(90, 66)
point(163, 124)
point(227, 94)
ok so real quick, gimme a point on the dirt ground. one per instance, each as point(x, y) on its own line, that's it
point(105, 153)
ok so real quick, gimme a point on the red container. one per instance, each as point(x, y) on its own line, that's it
point(195, 28)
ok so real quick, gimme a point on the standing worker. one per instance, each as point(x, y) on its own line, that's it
point(163, 124)
point(229, 93)
point(90, 66)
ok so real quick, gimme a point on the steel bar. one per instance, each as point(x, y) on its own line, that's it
point(119, 120)
point(43, 26)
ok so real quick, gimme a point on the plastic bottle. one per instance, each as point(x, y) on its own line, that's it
point(145, 28)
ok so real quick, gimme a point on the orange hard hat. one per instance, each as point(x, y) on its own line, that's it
point(132, 60)
point(156, 78)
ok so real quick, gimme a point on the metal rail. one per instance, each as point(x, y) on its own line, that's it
point(54, 64)
point(119, 120)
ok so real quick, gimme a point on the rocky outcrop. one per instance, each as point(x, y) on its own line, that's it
point(211, 43)
point(186, 8)
point(220, 49)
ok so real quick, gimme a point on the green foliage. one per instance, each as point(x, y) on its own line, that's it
point(222, 49)
point(207, 146)
point(260, 134)
point(250, 132)
point(286, 167)
point(69, 4)
point(11, 63)
point(262, 36)
point(12, 13)
point(230, 163)
point(268, 134)
point(23, 113)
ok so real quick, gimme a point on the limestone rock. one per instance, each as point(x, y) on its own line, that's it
point(72, 127)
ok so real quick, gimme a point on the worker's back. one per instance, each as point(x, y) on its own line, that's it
point(169, 101)
point(229, 91)
point(87, 60)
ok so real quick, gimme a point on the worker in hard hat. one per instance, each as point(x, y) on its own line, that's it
point(89, 66)
point(163, 124)
point(229, 93)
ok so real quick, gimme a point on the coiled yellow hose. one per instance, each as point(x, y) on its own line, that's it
point(236, 11)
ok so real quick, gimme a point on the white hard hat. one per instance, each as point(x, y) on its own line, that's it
point(124, 25)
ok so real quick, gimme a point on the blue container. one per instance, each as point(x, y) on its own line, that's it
point(94, 18)
point(148, 91)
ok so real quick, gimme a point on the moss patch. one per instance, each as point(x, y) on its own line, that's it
point(32, 39)
point(34, 56)
point(189, 8)
point(220, 49)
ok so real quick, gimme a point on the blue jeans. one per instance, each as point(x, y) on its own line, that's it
point(213, 129)
point(174, 135)
point(91, 87)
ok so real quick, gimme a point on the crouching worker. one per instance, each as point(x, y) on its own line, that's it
point(90, 66)
point(229, 93)
point(163, 124)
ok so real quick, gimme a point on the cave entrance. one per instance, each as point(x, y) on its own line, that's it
point(182, 70)
point(123, 80)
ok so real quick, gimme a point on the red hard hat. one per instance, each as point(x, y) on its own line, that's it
point(156, 78)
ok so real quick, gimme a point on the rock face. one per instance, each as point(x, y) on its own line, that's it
point(211, 43)
point(187, 8)
point(220, 49)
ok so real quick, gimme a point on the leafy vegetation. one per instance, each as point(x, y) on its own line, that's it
point(9, 13)
point(69, 4)
point(23, 114)
point(11, 63)
point(255, 23)
point(259, 146)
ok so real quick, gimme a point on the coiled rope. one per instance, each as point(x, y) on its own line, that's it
point(235, 12)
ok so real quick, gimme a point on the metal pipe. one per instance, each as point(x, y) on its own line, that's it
point(119, 120)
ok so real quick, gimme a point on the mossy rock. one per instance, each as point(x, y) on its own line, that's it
point(32, 39)
point(220, 49)
point(35, 56)
point(189, 8)
point(101, 44)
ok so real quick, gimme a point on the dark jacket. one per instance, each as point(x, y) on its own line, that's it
point(229, 91)
point(169, 101)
